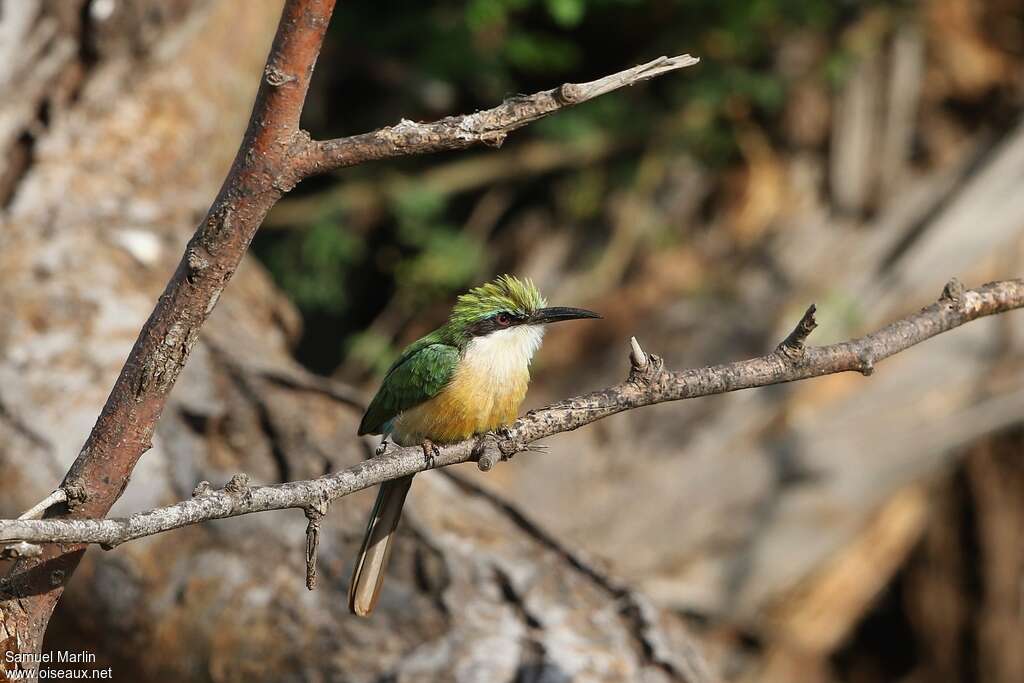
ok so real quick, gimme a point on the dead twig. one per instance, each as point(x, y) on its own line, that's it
point(39, 509)
point(488, 127)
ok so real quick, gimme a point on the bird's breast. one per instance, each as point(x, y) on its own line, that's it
point(485, 392)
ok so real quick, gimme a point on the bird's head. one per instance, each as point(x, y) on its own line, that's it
point(508, 308)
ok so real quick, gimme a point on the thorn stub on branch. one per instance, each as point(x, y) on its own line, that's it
point(203, 488)
point(644, 367)
point(792, 347)
point(239, 483)
point(637, 356)
point(953, 291)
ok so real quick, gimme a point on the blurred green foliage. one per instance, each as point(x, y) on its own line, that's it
point(311, 267)
point(441, 259)
point(388, 60)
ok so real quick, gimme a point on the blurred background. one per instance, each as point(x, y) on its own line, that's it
point(852, 154)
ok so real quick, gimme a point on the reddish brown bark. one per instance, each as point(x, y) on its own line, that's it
point(261, 173)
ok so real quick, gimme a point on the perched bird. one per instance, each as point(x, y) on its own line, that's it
point(467, 377)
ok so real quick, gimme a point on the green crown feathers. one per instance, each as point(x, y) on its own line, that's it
point(506, 293)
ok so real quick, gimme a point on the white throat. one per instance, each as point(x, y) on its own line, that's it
point(504, 354)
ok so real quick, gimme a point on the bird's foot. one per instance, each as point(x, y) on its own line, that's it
point(430, 451)
point(382, 447)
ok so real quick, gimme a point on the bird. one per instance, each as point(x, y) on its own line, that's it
point(466, 378)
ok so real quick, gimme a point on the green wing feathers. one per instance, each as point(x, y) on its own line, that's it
point(423, 370)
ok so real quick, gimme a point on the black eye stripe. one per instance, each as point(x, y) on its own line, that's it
point(492, 324)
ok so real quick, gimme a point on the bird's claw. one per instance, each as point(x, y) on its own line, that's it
point(382, 448)
point(430, 452)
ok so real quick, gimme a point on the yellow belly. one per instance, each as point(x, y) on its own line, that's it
point(476, 401)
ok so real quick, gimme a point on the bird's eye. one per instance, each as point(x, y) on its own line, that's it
point(504, 319)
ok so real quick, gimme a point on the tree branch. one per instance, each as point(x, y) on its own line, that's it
point(488, 127)
point(262, 171)
point(648, 383)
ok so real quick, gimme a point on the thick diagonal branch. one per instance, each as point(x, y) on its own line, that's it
point(261, 172)
point(649, 383)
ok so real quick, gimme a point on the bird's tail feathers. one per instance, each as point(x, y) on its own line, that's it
point(368, 576)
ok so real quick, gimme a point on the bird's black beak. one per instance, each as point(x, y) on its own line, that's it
point(544, 316)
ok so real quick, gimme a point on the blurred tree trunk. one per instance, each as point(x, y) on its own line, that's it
point(105, 179)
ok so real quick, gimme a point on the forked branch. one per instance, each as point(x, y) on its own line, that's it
point(275, 155)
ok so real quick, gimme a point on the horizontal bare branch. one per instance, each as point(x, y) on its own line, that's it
point(489, 127)
point(648, 383)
